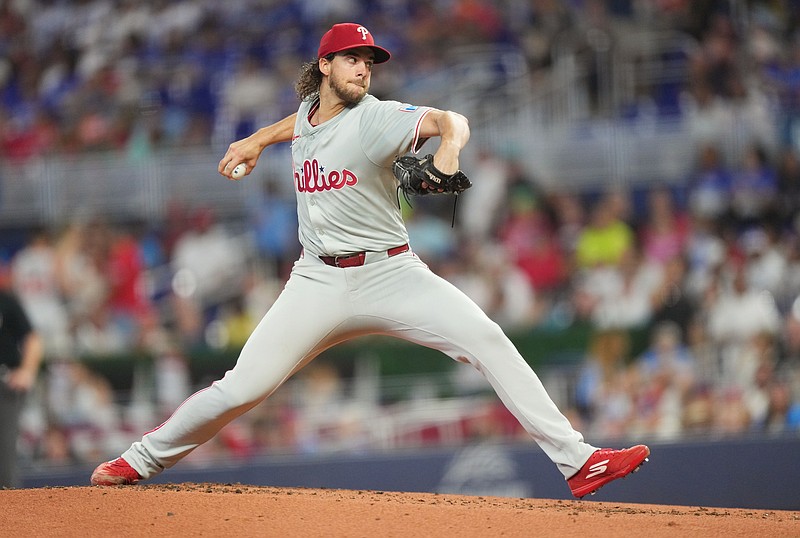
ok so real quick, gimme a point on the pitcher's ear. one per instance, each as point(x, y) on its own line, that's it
point(325, 66)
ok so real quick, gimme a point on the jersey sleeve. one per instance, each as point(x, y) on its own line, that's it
point(391, 128)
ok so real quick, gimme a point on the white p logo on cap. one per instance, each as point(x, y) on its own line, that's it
point(363, 31)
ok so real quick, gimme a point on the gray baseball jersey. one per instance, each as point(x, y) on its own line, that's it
point(346, 193)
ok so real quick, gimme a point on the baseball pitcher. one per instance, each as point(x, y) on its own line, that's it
point(358, 275)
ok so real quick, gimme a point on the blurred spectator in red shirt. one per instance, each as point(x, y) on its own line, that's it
point(476, 20)
point(127, 301)
point(531, 243)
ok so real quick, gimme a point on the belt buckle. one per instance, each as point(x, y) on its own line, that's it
point(356, 259)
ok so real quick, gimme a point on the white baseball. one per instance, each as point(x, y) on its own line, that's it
point(239, 171)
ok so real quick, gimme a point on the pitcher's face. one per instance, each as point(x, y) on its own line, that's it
point(350, 73)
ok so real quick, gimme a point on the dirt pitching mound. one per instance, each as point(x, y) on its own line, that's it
point(237, 510)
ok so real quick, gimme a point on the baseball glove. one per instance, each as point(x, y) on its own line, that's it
point(412, 172)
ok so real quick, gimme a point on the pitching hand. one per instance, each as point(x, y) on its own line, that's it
point(246, 151)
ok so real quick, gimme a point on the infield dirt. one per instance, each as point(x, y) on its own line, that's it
point(191, 509)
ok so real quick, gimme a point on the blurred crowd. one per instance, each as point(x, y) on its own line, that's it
point(716, 290)
point(88, 75)
point(708, 266)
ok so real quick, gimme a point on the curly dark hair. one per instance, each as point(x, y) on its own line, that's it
point(307, 85)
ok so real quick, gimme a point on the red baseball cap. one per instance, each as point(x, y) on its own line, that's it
point(349, 35)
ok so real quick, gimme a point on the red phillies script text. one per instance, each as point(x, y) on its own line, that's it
point(315, 180)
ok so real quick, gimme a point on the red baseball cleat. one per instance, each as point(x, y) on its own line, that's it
point(115, 473)
point(605, 465)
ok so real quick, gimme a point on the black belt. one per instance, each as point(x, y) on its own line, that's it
point(358, 259)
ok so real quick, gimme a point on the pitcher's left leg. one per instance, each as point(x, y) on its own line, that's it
point(436, 314)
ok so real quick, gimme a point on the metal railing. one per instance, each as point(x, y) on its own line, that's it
point(56, 189)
